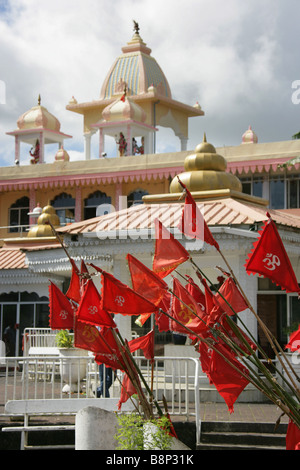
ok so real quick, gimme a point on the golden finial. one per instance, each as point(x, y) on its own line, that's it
point(39, 100)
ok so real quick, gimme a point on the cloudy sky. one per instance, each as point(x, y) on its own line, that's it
point(238, 59)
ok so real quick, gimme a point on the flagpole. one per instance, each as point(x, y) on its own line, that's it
point(267, 332)
point(232, 345)
point(263, 389)
point(265, 329)
point(140, 374)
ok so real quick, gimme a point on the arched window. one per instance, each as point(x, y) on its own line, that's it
point(92, 202)
point(18, 215)
point(136, 197)
point(64, 204)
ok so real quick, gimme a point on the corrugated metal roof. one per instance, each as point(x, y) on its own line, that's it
point(221, 212)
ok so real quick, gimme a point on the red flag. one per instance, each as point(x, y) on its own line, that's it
point(145, 281)
point(119, 298)
point(61, 310)
point(100, 341)
point(205, 352)
point(294, 341)
point(228, 381)
point(169, 253)
point(212, 307)
point(73, 291)
point(127, 390)
point(89, 309)
point(146, 343)
point(192, 222)
point(292, 436)
point(235, 338)
point(230, 292)
point(196, 293)
point(162, 320)
point(269, 259)
point(186, 311)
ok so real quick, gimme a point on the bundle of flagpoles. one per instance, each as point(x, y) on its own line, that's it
point(229, 355)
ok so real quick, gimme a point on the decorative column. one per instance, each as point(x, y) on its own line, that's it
point(101, 142)
point(87, 144)
point(120, 200)
point(183, 142)
point(32, 204)
point(41, 155)
point(129, 141)
point(17, 148)
point(78, 204)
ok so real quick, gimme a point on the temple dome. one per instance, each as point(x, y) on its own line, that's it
point(43, 229)
point(137, 69)
point(123, 109)
point(205, 170)
point(62, 155)
point(249, 137)
point(38, 117)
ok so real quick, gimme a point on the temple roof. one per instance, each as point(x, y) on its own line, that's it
point(138, 69)
point(38, 117)
point(225, 211)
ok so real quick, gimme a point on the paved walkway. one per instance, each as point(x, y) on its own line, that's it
point(243, 412)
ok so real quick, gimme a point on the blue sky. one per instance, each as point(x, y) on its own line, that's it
point(237, 59)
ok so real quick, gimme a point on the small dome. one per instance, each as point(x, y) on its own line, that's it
point(38, 117)
point(62, 155)
point(36, 211)
point(249, 137)
point(73, 100)
point(205, 170)
point(43, 229)
point(123, 109)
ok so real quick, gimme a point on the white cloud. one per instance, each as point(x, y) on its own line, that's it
point(238, 59)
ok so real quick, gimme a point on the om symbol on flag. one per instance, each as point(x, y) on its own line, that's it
point(89, 333)
point(272, 261)
point(120, 300)
point(63, 314)
point(185, 314)
point(92, 309)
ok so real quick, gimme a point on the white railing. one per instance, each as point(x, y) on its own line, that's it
point(39, 377)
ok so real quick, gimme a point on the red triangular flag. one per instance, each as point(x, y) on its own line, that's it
point(294, 341)
point(73, 291)
point(228, 381)
point(145, 281)
point(61, 311)
point(192, 222)
point(119, 298)
point(292, 436)
point(146, 343)
point(100, 341)
point(186, 311)
point(169, 253)
point(196, 293)
point(89, 309)
point(234, 337)
point(127, 390)
point(269, 259)
point(163, 321)
point(230, 292)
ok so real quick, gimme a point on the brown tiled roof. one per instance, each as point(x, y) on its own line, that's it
point(12, 258)
point(221, 212)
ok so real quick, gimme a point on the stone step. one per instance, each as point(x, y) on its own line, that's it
point(242, 436)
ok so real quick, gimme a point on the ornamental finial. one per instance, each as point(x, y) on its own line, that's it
point(136, 27)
